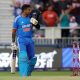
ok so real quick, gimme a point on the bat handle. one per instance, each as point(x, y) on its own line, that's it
point(14, 54)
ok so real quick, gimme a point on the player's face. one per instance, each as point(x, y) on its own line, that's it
point(28, 11)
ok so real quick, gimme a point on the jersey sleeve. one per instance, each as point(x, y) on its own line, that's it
point(15, 25)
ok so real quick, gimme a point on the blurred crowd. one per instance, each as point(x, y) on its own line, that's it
point(54, 13)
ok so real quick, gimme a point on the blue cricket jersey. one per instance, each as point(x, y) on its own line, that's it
point(23, 26)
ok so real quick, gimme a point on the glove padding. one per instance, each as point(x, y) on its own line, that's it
point(34, 21)
point(14, 46)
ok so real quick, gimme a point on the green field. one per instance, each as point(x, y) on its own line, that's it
point(47, 75)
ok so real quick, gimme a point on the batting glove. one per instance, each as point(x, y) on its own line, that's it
point(33, 21)
point(13, 46)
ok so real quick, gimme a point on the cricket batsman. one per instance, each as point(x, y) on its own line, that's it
point(22, 32)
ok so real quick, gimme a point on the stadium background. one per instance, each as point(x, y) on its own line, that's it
point(54, 39)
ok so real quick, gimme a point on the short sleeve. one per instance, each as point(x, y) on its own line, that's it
point(15, 25)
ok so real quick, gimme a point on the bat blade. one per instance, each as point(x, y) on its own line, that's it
point(13, 62)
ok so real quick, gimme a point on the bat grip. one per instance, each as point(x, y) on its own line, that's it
point(14, 54)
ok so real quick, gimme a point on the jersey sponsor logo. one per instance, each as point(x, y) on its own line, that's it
point(27, 26)
point(26, 29)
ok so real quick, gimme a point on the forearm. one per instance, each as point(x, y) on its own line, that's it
point(13, 45)
point(13, 35)
point(37, 26)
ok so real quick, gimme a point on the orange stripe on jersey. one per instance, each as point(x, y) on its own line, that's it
point(14, 30)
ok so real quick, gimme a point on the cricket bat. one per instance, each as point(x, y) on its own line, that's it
point(13, 61)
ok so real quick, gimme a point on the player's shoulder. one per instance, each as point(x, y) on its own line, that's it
point(16, 19)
